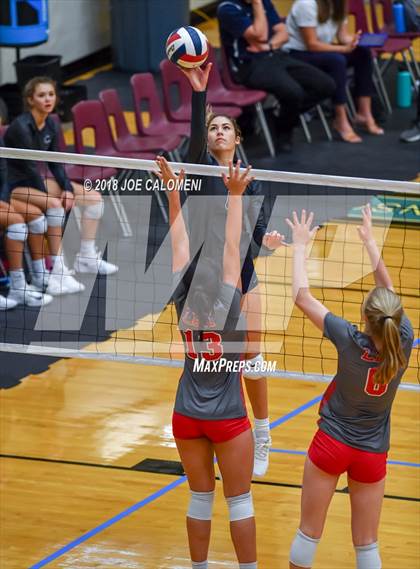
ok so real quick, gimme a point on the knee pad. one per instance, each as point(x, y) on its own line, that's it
point(55, 216)
point(240, 507)
point(303, 549)
point(38, 226)
point(201, 505)
point(94, 211)
point(367, 556)
point(17, 232)
point(253, 367)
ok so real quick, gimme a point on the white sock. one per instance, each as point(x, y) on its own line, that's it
point(58, 264)
point(17, 279)
point(38, 266)
point(200, 564)
point(248, 565)
point(262, 428)
point(87, 248)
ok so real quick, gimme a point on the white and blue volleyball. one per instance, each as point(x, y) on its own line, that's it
point(187, 47)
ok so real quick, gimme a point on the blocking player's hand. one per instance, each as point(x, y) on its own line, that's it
point(301, 230)
point(237, 181)
point(365, 230)
point(273, 240)
point(166, 174)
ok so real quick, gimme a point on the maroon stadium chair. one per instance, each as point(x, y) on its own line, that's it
point(77, 172)
point(127, 142)
point(91, 114)
point(389, 27)
point(145, 92)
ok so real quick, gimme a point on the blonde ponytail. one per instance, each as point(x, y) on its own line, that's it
point(383, 313)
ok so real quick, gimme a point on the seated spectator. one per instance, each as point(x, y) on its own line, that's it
point(36, 130)
point(253, 34)
point(17, 229)
point(313, 27)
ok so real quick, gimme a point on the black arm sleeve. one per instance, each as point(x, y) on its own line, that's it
point(18, 137)
point(56, 168)
point(256, 212)
point(197, 150)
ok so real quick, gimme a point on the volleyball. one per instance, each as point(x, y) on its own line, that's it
point(187, 47)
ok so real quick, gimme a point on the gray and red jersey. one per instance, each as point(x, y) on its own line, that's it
point(210, 395)
point(355, 410)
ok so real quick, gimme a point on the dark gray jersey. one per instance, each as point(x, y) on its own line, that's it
point(209, 394)
point(354, 410)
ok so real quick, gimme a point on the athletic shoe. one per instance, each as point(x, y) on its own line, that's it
point(411, 134)
point(64, 283)
point(94, 264)
point(261, 455)
point(39, 281)
point(7, 303)
point(29, 296)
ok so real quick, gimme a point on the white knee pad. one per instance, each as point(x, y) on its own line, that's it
point(201, 505)
point(94, 211)
point(17, 232)
point(240, 507)
point(367, 556)
point(55, 216)
point(303, 549)
point(252, 369)
point(38, 226)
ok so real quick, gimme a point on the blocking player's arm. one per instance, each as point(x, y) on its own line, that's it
point(380, 272)
point(236, 183)
point(179, 236)
point(302, 235)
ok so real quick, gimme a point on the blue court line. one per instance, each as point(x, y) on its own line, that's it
point(110, 522)
point(295, 412)
point(152, 497)
point(416, 343)
point(303, 453)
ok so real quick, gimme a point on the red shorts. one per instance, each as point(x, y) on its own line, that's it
point(218, 431)
point(335, 457)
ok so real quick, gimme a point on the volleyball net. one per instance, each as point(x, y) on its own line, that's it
point(129, 316)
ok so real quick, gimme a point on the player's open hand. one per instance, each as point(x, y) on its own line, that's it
point(237, 180)
point(301, 230)
point(198, 77)
point(165, 173)
point(273, 240)
point(365, 230)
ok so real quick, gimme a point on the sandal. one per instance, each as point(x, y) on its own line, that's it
point(369, 126)
point(348, 136)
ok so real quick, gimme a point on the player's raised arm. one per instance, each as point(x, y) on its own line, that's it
point(380, 272)
point(179, 236)
point(302, 235)
point(236, 183)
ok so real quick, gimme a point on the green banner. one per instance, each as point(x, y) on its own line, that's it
point(402, 209)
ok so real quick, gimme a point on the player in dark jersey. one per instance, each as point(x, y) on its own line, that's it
point(36, 130)
point(354, 424)
point(210, 416)
point(214, 139)
point(19, 223)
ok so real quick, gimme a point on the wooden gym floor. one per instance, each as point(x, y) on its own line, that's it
point(71, 438)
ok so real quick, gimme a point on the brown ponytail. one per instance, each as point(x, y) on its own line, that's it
point(335, 10)
point(383, 313)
